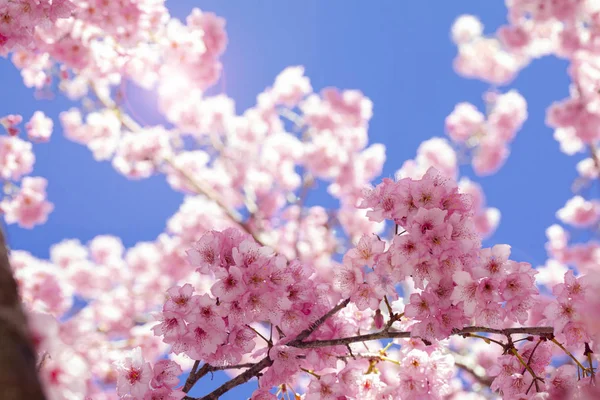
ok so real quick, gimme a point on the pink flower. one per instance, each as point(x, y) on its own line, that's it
point(16, 158)
point(483, 58)
point(180, 299)
point(166, 374)
point(105, 249)
point(39, 127)
point(164, 393)
point(464, 122)
point(579, 212)
point(230, 286)
point(133, 374)
point(465, 291)
point(466, 28)
point(29, 207)
point(435, 152)
point(347, 277)
point(213, 28)
point(203, 340)
point(493, 261)
point(514, 37)
point(509, 112)
point(368, 247)
point(562, 382)
point(205, 253)
point(489, 156)
point(291, 86)
point(140, 153)
point(263, 394)
point(325, 388)
point(172, 327)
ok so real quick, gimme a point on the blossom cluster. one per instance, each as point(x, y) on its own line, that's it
point(250, 302)
point(19, 20)
point(439, 154)
point(254, 286)
point(25, 204)
point(537, 28)
point(488, 138)
point(441, 251)
point(139, 380)
point(250, 285)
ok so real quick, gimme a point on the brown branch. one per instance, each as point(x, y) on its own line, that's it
point(594, 156)
point(238, 380)
point(196, 374)
point(254, 369)
point(18, 370)
point(482, 379)
point(387, 334)
point(191, 380)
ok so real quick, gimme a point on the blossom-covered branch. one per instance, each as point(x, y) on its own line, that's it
point(546, 332)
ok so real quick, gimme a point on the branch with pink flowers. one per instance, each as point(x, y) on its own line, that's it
point(544, 331)
point(254, 369)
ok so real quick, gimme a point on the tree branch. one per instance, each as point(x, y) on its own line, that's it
point(238, 380)
point(482, 379)
point(254, 368)
point(544, 331)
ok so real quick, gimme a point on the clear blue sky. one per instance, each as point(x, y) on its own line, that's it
point(397, 52)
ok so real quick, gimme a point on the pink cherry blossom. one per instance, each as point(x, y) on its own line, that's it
point(291, 86)
point(134, 374)
point(29, 206)
point(39, 127)
point(16, 158)
point(464, 122)
point(579, 212)
point(249, 276)
point(466, 28)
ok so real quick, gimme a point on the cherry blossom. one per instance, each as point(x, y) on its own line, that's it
point(387, 294)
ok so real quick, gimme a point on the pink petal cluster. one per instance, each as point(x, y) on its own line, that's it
point(16, 158)
point(579, 212)
point(488, 138)
point(39, 127)
point(456, 281)
point(10, 123)
point(565, 312)
point(481, 57)
point(486, 219)
point(19, 20)
point(264, 161)
point(251, 285)
point(434, 152)
point(28, 207)
point(139, 154)
point(137, 379)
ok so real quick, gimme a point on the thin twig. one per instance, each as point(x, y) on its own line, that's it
point(567, 352)
point(528, 368)
point(482, 379)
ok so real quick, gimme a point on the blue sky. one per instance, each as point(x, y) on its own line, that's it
point(398, 53)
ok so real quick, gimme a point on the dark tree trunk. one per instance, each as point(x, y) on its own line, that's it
point(18, 372)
